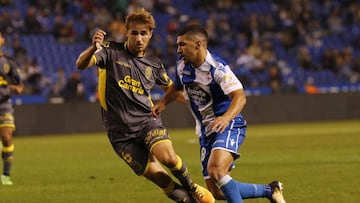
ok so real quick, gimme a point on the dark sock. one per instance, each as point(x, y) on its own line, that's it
point(181, 172)
point(7, 155)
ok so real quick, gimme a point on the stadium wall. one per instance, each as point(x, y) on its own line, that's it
point(84, 117)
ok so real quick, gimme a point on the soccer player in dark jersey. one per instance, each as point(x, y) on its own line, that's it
point(9, 82)
point(216, 99)
point(126, 76)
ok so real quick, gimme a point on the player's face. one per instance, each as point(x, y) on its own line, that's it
point(138, 36)
point(186, 48)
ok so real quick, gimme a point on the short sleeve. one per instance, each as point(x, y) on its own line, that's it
point(227, 79)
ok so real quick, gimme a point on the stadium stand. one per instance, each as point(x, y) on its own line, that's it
point(306, 43)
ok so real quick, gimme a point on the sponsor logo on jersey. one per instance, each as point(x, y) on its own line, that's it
point(197, 94)
point(131, 84)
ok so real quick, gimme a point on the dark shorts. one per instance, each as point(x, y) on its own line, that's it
point(135, 152)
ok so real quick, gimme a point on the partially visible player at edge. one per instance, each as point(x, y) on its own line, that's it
point(126, 76)
point(9, 83)
point(216, 98)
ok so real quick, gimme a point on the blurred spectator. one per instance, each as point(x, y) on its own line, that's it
point(268, 56)
point(328, 60)
point(102, 18)
point(6, 2)
point(249, 62)
point(5, 23)
point(275, 79)
point(57, 83)
point(90, 81)
point(32, 24)
point(164, 6)
point(117, 29)
point(44, 18)
point(63, 32)
point(334, 21)
point(344, 64)
point(305, 60)
point(31, 74)
point(17, 22)
point(210, 26)
point(74, 88)
point(133, 5)
point(19, 52)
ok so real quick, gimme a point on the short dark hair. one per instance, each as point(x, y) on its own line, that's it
point(193, 29)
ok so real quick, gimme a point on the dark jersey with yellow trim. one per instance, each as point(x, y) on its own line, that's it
point(9, 75)
point(125, 82)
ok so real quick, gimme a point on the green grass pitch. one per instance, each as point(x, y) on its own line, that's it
point(318, 162)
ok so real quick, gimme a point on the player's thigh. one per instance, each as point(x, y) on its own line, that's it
point(220, 161)
point(6, 135)
point(165, 153)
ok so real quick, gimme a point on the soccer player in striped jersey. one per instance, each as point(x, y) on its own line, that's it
point(9, 83)
point(216, 98)
point(126, 76)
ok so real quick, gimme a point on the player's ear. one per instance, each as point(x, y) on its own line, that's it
point(198, 44)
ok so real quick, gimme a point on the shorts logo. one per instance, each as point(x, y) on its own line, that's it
point(232, 142)
point(203, 153)
point(155, 135)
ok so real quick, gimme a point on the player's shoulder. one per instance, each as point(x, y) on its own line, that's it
point(153, 60)
point(215, 60)
point(8, 59)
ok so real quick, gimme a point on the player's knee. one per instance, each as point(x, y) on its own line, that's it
point(215, 172)
point(169, 160)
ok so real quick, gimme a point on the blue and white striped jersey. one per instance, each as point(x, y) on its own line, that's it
point(206, 89)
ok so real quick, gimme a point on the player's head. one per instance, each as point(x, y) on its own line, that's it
point(140, 25)
point(192, 43)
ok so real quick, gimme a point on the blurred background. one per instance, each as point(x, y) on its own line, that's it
point(275, 47)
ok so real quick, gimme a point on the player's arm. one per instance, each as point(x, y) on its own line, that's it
point(171, 95)
point(238, 101)
point(15, 84)
point(17, 89)
point(180, 96)
point(85, 58)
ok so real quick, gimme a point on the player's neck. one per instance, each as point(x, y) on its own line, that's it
point(200, 59)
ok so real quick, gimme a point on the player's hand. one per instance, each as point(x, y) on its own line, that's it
point(17, 89)
point(219, 124)
point(157, 109)
point(98, 38)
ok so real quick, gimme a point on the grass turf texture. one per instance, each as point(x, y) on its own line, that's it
point(318, 162)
